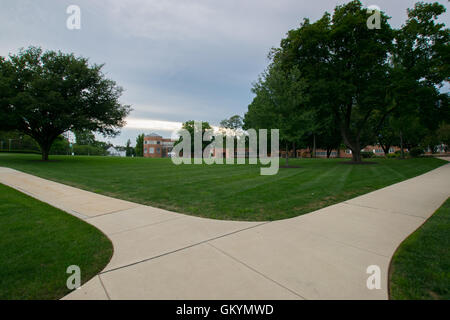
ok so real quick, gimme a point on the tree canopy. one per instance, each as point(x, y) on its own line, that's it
point(190, 127)
point(139, 149)
point(44, 94)
point(235, 122)
point(337, 75)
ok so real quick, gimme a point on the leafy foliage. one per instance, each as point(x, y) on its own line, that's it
point(336, 74)
point(190, 127)
point(43, 94)
point(235, 122)
point(139, 149)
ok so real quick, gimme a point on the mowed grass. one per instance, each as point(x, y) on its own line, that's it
point(38, 243)
point(420, 269)
point(236, 192)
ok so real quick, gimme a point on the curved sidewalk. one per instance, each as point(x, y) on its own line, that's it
point(322, 255)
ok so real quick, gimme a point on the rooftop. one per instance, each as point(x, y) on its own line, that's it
point(153, 135)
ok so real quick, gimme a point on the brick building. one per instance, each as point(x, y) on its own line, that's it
point(156, 146)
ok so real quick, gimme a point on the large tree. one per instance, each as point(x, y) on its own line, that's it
point(44, 94)
point(280, 104)
point(420, 67)
point(345, 65)
point(234, 123)
point(361, 76)
point(191, 128)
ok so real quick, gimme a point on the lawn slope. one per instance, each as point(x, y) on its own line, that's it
point(420, 269)
point(233, 192)
point(37, 244)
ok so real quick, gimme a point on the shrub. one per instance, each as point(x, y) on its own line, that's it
point(416, 152)
point(393, 155)
point(367, 154)
point(398, 153)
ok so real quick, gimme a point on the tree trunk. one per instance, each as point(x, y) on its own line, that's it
point(401, 146)
point(356, 152)
point(356, 155)
point(287, 155)
point(45, 150)
point(295, 150)
point(314, 146)
point(45, 146)
point(386, 149)
point(353, 145)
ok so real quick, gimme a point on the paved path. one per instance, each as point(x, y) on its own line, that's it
point(322, 255)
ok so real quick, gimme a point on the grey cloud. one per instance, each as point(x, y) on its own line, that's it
point(177, 60)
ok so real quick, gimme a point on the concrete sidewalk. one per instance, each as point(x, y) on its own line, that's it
point(322, 255)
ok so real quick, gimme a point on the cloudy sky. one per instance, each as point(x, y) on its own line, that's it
point(177, 60)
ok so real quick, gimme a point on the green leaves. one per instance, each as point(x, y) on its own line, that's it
point(234, 122)
point(47, 93)
point(139, 149)
point(338, 68)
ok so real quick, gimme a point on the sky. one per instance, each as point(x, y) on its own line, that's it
point(177, 60)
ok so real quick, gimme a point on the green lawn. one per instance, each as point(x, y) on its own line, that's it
point(420, 269)
point(235, 192)
point(38, 243)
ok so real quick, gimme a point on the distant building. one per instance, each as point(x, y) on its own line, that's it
point(378, 150)
point(115, 153)
point(320, 153)
point(156, 146)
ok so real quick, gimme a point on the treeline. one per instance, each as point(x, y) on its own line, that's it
point(15, 141)
point(336, 81)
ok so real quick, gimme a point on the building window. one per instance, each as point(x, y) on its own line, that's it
point(158, 150)
point(151, 150)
